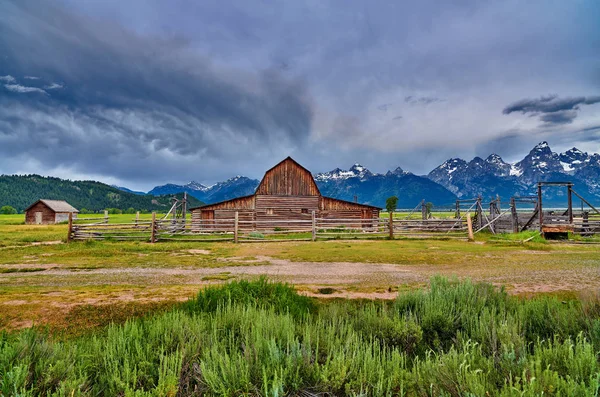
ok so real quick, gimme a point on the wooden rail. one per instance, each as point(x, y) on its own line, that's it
point(244, 230)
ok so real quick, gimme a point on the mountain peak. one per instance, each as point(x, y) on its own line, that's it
point(398, 172)
point(494, 159)
point(541, 145)
point(357, 167)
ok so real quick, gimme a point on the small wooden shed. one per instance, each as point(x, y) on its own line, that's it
point(48, 212)
point(287, 192)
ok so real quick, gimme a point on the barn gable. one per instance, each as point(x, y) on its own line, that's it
point(288, 178)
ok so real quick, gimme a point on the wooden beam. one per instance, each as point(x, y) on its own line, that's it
point(470, 227)
point(235, 227)
point(153, 229)
point(314, 226)
point(539, 205)
point(585, 201)
point(70, 227)
point(528, 223)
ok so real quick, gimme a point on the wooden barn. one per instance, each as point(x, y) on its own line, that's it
point(287, 192)
point(48, 212)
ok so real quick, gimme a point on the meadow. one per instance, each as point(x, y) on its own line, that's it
point(264, 339)
point(405, 317)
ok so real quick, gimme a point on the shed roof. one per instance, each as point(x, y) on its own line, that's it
point(56, 205)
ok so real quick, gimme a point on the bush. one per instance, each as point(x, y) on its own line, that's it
point(7, 210)
point(280, 297)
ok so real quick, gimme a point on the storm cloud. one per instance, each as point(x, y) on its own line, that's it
point(126, 97)
point(145, 92)
point(552, 110)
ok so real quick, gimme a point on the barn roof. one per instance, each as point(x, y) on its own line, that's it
point(352, 202)
point(55, 205)
point(221, 202)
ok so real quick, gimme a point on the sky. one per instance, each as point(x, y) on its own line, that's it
point(146, 92)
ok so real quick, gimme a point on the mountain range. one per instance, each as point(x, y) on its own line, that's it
point(493, 176)
point(455, 178)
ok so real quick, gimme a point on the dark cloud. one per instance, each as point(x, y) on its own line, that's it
point(156, 92)
point(552, 109)
point(559, 117)
point(549, 104)
point(139, 102)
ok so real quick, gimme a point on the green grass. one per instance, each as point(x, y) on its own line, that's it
point(263, 339)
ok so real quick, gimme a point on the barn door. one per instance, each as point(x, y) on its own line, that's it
point(38, 218)
point(367, 217)
point(208, 218)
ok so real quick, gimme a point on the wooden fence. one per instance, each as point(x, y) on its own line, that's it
point(238, 230)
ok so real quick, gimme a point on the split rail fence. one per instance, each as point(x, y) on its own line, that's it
point(241, 230)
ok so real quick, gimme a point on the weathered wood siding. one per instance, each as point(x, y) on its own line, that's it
point(329, 207)
point(48, 215)
point(288, 178)
point(280, 209)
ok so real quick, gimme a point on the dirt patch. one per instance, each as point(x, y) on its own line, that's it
point(199, 252)
point(15, 302)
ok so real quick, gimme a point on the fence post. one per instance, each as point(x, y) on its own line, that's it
point(540, 208)
point(391, 225)
point(479, 213)
point(153, 229)
point(515, 216)
point(314, 226)
point(457, 209)
point(70, 227)
point(137, 218)
point(423, 210)
point(585, 225)
point(570, 202)
point(105, 216)
point(235, 227)
point(470, 227)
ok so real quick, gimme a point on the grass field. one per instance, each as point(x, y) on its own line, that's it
point(406, 331)
point(43, 280)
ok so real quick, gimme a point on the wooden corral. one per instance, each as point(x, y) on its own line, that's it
point(48, 212)
point(287, 194)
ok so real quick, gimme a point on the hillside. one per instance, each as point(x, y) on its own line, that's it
point(19, 191)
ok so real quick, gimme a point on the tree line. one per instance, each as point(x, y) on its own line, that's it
point(20, 191)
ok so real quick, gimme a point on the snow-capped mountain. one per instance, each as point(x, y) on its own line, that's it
point(373, 188)
point(358, 181)
point(356, 171)
point(574, 159)
point(454, 178)
point(493, 176)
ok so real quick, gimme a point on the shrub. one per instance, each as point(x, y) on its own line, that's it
point(7, 210)
point(261, 293)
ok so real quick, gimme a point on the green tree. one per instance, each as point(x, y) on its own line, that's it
point(391, 203)
point(7, 210)
point(130, 210)
point(428, 208)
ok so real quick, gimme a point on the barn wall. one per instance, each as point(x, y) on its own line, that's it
point(281, 209)
point(288, 178)
point(331, 205)
point(47, 214)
